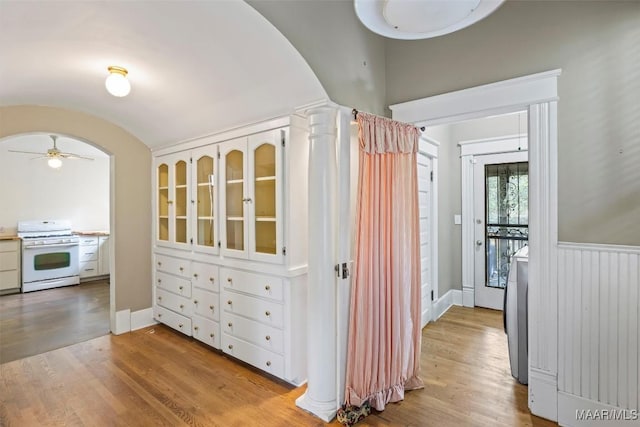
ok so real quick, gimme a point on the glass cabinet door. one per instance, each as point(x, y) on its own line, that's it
point(233, 192)
point(180, 202)
point(205, 198)
point(265, 199)
point(163, 202)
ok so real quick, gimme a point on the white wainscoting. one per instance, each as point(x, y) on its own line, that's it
point(444, 303)
point(598, 326)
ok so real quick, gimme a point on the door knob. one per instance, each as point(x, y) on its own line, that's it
point(478, 242)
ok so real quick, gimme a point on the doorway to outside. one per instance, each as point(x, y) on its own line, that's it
point(501, 218)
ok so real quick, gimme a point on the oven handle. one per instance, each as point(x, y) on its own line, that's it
point(55, 245)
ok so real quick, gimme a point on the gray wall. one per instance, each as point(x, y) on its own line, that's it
point(348, 59)
point(597, 45)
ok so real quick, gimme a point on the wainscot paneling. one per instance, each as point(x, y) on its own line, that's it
point(598, 323)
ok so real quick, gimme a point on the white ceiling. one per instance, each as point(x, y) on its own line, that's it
point(195, 68)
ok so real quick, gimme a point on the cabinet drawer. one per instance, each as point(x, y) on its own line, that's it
point(255, 284)
point(178, 266)
point(174, 302)
point(267, 312)
point(206, 330)
point(254, 355)
point(171, 319)
point(88, 241)
point(265, 336)
point(177, 285)
point(206, 304)
point(9, 246)
point(205, 276)
point(88, 253)
point(89, 269)
point(8, 261)
point(9, 280)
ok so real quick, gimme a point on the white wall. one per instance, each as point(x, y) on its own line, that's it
point(31, 190)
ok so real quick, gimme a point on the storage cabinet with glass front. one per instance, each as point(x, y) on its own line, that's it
point(172, 197)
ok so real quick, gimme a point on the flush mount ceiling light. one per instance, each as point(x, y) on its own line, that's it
point(117, 83)
point(421, 19)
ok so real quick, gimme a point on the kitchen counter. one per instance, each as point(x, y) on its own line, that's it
point(91, 233)
point(9, 238)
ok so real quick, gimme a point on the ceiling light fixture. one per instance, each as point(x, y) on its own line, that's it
point(117, 83)
point(54, 162)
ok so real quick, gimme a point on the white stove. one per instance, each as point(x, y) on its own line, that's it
point(49, 254)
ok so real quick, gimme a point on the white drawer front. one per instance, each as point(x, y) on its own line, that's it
point(205, 276)
point(206, 330)
point(255, 284)
point(89, 253)
point(173, 320)
point(9, 245)
point(88, 241)
point(267, 312)
point(174, 302)
point(89, 269)
point(254, 355)
point(267, 337)
point(174, 284)
point(206, 304)
point(178, 266)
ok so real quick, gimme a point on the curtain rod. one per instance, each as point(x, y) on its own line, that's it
point(355, 116)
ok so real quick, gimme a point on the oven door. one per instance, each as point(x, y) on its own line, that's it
point(49, 262)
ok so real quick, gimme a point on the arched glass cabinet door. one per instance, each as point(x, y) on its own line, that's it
point(233, 194)
point(162, 231)
point(181, 202)
point(204, 171)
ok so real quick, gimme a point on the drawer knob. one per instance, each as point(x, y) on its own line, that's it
point(211, 279)
point(267, 338)
point(195, 275)
point(181, 269)
point(267, 313)
point(211, 335)
point(159, 298)
point(180, 287)
point(268, 363)
point(181, 306)
point(229, 302)
point(195, 328)
point(230, 347)
point(230, 324)
point(211, 307)
point(180, 325)
point(229, 279)
point(159, 263)
point(159, 314)
point(267, 288)
point(195, 301)
point(159, 280)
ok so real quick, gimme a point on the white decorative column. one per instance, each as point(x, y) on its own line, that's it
point(320, 397)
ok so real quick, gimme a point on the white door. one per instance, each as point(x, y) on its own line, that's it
point(425, 168)
point(500, 188)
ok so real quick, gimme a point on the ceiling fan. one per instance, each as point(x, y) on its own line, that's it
point(54, 155)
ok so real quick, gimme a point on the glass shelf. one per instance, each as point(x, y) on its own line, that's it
point(235, 181)
point(265, 219)
point(265, 178)
point(235, 218)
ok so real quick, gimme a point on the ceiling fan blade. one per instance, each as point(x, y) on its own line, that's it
point(41, 157)
point(27, 152)
point(72, 156)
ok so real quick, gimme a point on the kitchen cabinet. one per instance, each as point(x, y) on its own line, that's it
point(10, 255)
point(235, 276)
point(103, 255)
point(93, 256)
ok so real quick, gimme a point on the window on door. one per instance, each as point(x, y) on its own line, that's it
point(506, 218)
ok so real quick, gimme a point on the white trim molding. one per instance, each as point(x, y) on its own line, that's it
point(502, 144)
point(127, 321)
point(444, 303)
point(539, 94)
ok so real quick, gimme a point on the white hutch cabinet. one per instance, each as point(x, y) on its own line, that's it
point(230, 215)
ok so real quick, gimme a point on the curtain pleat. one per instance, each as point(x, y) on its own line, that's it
point(384, 328)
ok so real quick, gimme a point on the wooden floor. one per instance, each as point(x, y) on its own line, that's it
point(155, 377)
point(37, 322)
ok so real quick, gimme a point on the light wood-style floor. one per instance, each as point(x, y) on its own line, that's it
point(37, 322)
point(155, 377)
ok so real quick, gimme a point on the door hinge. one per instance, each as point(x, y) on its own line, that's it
point(432, 297)
point(342, 270)
point(431, 175)
point(190, 159)
point(283, 140)
point(191, 240)
point(219, 244)
point(284, 250)
point(218, 154)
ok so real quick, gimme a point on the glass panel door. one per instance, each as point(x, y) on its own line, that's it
point(234, 177)
point(180, 203)
point(163, 202)
point(265, 199)
point(205, 201)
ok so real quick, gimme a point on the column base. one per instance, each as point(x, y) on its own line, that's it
point(326, 411)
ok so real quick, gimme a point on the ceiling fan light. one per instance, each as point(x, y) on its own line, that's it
point(117, 83)
point(54, 163)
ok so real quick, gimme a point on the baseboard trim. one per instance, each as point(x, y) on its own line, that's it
point(593, 413)
point(468, 297)
point(444, 303)
point(127, 321)
point(543, 394)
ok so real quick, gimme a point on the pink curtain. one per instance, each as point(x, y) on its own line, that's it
point(384, 328)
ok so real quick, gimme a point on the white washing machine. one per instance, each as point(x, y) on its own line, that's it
point(515, 314)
